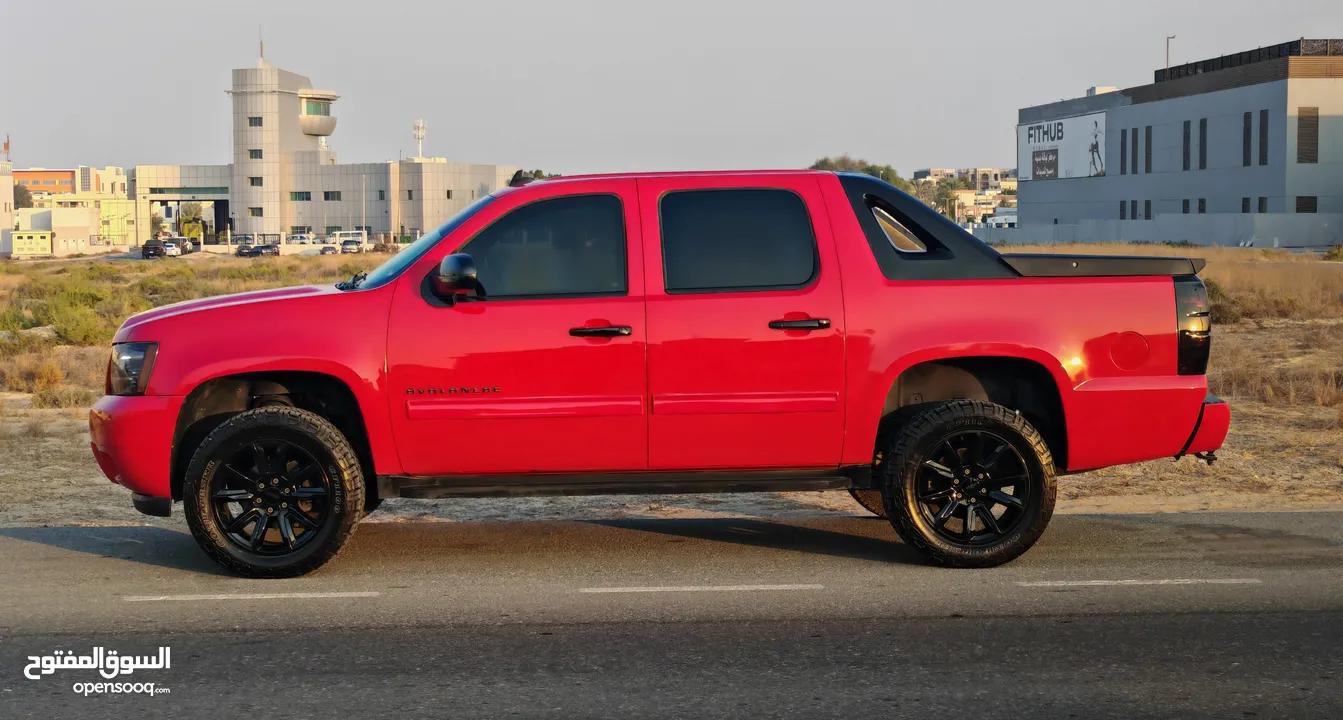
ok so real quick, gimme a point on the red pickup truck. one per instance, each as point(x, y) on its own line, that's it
point(659, 333)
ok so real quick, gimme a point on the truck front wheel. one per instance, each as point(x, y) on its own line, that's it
point(969, 484)
point(273, 492)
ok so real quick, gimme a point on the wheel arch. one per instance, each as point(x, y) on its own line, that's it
point(1020, 383)
point(214, 401)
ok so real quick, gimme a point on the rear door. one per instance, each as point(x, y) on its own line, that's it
point(547, 372)
point(745, 323)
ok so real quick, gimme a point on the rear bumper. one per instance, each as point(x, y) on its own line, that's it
point(132, 439)
point(1214, 420)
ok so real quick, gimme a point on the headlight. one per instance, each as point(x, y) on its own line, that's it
point(128, 370)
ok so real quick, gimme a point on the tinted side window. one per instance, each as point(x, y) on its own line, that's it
point(736, 240)
point(563, 246)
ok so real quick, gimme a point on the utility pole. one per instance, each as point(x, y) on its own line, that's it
point(1168, 39)
point(363, 194)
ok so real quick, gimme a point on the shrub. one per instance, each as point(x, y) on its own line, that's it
point(48, 375)
point(63, 397)
point(1334, 253)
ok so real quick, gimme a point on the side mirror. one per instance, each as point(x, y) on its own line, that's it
point(456, 276)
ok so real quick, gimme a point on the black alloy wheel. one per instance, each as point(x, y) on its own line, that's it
point(270, 497)
point(972, 488)
point(968, 483)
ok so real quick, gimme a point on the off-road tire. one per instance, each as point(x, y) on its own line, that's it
point(871, 500)
point(906, 451)
point(314, 434)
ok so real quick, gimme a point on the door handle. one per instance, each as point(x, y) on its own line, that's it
point(605, 331)
point(808, 324)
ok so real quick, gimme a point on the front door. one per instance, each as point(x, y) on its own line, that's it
point(547, 372)
point(745, 324)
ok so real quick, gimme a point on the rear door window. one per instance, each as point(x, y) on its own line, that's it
point(900, 237)
point(736, 240)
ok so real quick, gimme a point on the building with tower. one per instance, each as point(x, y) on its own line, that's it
point(284, 181)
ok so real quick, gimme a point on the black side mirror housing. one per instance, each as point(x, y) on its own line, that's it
point(456, 276)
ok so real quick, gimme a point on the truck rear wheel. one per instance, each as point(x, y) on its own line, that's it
point(273, 492)
point(969, 484)
point(871, 500)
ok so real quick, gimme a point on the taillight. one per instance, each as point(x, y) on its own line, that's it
point(1195, 325)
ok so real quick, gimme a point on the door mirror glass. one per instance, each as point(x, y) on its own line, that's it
point(456, 276)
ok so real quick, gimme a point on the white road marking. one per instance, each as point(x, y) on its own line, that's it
point(1107, 583)
point(699, 588)
point(251, 596)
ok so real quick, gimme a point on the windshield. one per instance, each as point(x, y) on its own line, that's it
point(395, 265)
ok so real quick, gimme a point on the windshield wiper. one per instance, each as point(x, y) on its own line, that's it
point(352, 283)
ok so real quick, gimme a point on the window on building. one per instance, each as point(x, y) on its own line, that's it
point(1184, 206)
point(449, 194)
point(563, 246)
point(300, 196)
point(736, 240)
point(410, 194)
point(382, 195)
point(1245, 205)
point(1308, 135)
point(300, 229)
point(254, 154)
point(254, 181)
point(1263, 204)
point(1146, 209)
point(1123, 209)
point(1202, 206)
point(1203, 144)
point(1187, 138)
point(317, 107)
point(1123, 153)
point(334, 229)
point(1133, 151)
point(254, 211)
point(1246, 133)
point(1133, 209)
point(1306, 203)
point(253, 122)
point(1263, 137)
point(331, 195)
point(1147, 150)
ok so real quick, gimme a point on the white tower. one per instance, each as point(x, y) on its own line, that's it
point(419, 137)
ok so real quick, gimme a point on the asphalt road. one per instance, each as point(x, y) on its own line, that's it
point(1196, 615)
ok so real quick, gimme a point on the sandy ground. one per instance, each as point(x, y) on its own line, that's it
point(1277, 458)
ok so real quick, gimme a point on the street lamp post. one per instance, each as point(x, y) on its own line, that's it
point(1168, 39)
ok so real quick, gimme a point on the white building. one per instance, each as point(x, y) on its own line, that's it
point(6, 196)
point(285, 180)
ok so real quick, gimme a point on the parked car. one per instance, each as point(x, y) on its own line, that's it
point(267, 249)
point(244, 251)
point(152, 248)
point(351, 246)
point(171, 249)
point(328, 250)
point(243, 240)
point(940, 381)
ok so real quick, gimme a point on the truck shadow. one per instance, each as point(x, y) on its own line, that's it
point(874, 539)
point(161, 547)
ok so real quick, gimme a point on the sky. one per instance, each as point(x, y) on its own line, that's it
point(597, 86)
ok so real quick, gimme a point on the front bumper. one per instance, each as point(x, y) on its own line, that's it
point(1214, 421)
point(132, 440)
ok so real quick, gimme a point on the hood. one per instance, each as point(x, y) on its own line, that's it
point(220, 301)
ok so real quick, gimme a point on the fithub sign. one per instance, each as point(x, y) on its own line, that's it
point(1067, 148)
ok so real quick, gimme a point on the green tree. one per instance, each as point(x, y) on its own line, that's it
point(155, 224)
point(844, 163)
point(22, 198)
point(191, 211)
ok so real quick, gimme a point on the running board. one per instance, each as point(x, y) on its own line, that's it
point(426, 488)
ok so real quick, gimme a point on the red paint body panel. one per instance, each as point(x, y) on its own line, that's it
point(132, 440)
point(762, 385)
point(701, 383)
point(567, 404)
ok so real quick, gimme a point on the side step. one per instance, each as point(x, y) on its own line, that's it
point(425, 488)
